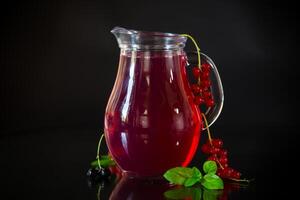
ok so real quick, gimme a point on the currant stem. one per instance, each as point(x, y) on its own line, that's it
point(98, 150)
point(198, 51)
point(241, 180)
point(220, 164)
point(207, 128)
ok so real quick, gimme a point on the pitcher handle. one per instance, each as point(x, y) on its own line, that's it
point(211, 113)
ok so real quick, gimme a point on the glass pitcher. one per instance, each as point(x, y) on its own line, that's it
point(151, 121)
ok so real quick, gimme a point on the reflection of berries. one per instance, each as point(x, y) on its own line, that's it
point(210, 103)
point(196, 89)
point(199, 100)
point(207, 95)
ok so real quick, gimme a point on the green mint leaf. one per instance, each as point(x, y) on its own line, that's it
point(212, 181)
point(184, 193)
point(211, 194)
point(94, 164)
point(191, 181)
point(179, 175)
point(210, 167)
point(105, 157)
point(196, 177)
point(105, 161)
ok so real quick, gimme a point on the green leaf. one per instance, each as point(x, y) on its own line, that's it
point(105, 157)
point(105, 161)
point(212, 182)
point(184, 193)
point(180, 175)
point(210, 167)
point(191, 181)
point(211, 194)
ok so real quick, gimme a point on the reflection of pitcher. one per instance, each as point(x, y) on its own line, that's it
point(136, 189)
point(151, 121)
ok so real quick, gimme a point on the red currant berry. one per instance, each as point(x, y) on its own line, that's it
point(207, 94)
point(228, 172)
point(196, 72)
point(220, 172)
point(210, 103)
point(205, 67)
point(223, 152)
point(225, 165)
point(196, 89)
point(213, 158)
point(198, 100)
point(214, 150)
point(217, 143)
point(205, 83)
point(206, 148)
point(236, 174)
point(204, 75)
point(223, 160)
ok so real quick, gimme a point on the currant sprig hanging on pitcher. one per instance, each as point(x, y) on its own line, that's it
point(201, 72)
point(203, 95)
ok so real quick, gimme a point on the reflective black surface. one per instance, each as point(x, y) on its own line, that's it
point(58, 63)
point(52, 165)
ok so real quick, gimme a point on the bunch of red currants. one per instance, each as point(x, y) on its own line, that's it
point(201, 90)
point(213, 148)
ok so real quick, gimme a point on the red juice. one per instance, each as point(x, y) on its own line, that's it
point(151, 122)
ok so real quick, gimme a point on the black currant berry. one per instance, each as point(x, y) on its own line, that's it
point(98, 174)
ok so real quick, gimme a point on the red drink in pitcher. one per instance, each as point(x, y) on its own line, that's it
point(151, 122)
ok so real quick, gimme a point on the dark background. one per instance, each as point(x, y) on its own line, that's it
point(59, 62)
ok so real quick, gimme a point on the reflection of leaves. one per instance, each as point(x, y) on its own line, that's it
point(211, 194)
point(192, 193)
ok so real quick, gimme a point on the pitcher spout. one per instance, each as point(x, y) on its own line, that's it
point(145, 40)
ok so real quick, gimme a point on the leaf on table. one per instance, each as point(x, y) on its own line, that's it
point(180, 175)
point(212, 181)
